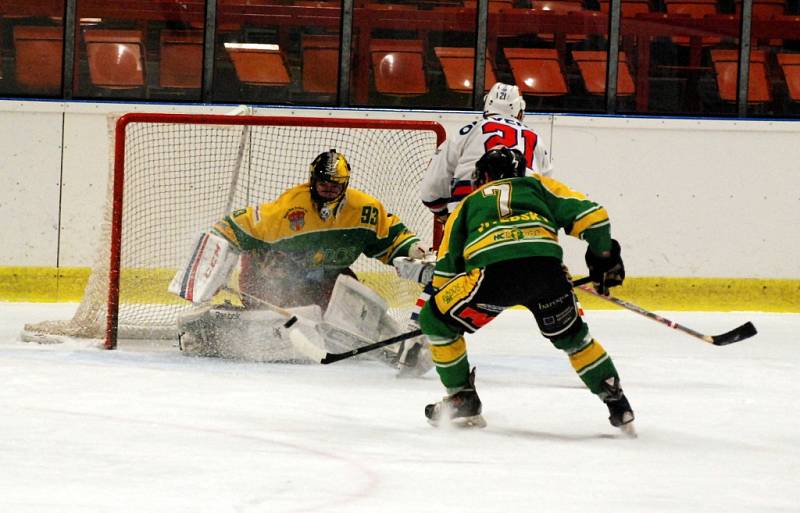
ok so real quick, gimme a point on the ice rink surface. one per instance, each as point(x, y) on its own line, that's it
point(141, 430)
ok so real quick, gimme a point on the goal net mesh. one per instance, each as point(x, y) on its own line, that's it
point(183, 175)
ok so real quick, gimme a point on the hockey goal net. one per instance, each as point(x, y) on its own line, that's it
point(174, 175)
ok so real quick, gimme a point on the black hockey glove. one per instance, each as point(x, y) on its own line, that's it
point(607, 271)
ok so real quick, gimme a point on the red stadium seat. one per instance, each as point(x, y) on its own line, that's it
point(181, 59)
point(391, 7)
point(695, 9)
point(116, 58)
point(630, 8)
point(790, 64)
point(726, 66)
point(537, 71)
point(320, 64)
point(494, 5)
point(562, 7)
point(259, 64)
point(316, 3)
point(592, 66)
point(765, 8)
point(778, 17)
point(38, 62)
point(397, 66)
point(559, 6)
point(458, 65)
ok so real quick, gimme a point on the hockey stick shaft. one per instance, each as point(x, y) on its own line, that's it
point(290, 317)
point(335, 357)
point(742, 332)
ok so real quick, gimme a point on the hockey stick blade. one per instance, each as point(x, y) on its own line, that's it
point(335, 357)
point(744, 331)
point(305, 347)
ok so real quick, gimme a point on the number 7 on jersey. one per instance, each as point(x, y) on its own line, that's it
point(502, 191)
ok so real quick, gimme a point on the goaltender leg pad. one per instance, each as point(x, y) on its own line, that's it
point(232, 332)
point(356, 307)
point(206, 270)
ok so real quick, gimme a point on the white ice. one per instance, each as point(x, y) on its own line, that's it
point(85, 430)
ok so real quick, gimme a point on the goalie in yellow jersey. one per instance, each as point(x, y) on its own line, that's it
point(296, 252)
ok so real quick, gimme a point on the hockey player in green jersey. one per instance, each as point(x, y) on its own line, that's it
point(500, 249)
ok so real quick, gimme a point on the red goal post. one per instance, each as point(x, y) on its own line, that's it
point(175, 174)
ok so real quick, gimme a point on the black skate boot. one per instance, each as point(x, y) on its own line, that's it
point(462, 409)
point(619, 409)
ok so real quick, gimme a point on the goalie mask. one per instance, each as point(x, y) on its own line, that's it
point(504, 100)
point(498, 163)
point(329, 176)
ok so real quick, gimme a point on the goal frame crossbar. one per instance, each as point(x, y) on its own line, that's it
point(115, 259)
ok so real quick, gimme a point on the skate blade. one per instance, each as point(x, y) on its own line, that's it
point(628, 430)
point(475, 421)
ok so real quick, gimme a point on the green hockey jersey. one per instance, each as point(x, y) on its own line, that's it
point(517, 218)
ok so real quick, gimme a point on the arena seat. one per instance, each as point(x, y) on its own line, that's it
point(726, 66)
point(494, 5)
point(116, 58)
point(537, 71)
point(458, 65)
point(695, 9)
point(258, 64)
point(38, 62)
point(592, 67)
point(559, 6)
point(181, 64)
point(790, 64)
point(316, 3)
point(375, 6)
point(397, 66)
point(765, 8)
point(630, 8)
point(562, 7)
point(320, 63)
point(776, 17)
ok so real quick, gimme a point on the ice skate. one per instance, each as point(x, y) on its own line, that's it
point(619, 409)
point(461, 409)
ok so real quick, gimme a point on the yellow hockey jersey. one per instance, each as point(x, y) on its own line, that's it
point(291, 228)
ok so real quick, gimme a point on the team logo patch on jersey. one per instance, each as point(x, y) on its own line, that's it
point(296, 218)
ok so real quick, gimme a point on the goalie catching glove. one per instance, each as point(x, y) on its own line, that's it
point(607, 270)
point(206, 270)
point(418, 270)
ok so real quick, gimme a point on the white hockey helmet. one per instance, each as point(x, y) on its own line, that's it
point(504, 100)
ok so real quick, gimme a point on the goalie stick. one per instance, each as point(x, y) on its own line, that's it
point(301, 342)
point(742, 332)
point(290, 317)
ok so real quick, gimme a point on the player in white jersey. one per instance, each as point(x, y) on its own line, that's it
point(448, 177)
